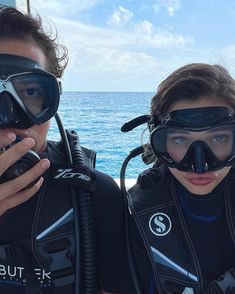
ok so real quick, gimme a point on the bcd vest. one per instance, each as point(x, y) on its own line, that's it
point(157, 213)
point(53, 233)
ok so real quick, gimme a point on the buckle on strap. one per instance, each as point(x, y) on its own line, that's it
point(225, 283)
point(61, 266)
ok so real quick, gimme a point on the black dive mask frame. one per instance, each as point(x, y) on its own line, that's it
point(199, 157)
point(14, 114)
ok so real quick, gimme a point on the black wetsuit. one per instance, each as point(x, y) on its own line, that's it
point(206, 221)
point(16, 224)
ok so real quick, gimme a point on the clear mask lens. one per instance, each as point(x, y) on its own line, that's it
point(35, 93)
point(175, 142)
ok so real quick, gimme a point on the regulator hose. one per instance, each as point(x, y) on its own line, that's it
point(83, 210)
point(133, 153)
point(85, 268)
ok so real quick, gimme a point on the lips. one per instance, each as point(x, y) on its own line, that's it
point(200, 179)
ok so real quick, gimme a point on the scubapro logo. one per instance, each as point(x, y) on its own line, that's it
point(160, 224)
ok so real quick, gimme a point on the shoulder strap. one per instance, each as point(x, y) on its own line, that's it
point(157, 214)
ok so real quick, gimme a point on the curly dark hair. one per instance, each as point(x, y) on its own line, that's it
point(17, 25)
point(189, 83)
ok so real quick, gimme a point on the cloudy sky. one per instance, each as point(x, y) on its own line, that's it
point(131, 45)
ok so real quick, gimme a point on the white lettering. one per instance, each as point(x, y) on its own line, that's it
point(11, 271)
point(2, 270)
point(67, 174)
point(20, 271)
point(42, 274)
point(62, 172)
point(45, 275)
point(16, 273)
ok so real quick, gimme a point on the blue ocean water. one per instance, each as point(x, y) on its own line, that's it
point(98, 117)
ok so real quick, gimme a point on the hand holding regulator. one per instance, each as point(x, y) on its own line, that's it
point(28, 96)
point(26, 162)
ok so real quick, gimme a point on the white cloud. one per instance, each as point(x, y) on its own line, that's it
point(143, 35)
point(170, 5)
point(120, 17)
point(112, 69)
point(115, 58)
point(227, 58)
point(145, 27)
point(152, 37)
point(105, 59)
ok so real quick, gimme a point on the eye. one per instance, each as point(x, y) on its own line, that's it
point(220, 138)
point(31, 92)
point(179, 140)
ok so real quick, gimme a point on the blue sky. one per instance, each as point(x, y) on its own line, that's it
point(131, 45)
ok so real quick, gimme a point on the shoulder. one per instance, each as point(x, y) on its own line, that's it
point(153, 188)
point(107, 197)
point(105, 184)
point(151, 177)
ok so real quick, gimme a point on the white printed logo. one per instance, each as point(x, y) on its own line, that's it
point(16, 274)
point(67, 174)
point(160, 224)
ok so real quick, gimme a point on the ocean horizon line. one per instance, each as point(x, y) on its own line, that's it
point(81, 91)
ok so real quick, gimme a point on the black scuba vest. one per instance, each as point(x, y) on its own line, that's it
point(159, 218)
point(53, 233)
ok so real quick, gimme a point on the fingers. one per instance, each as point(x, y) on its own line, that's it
point(11, 155)
point(21, 182)
point(18, 190)
point(6, 138)
point(19, 197)
point(15, 192)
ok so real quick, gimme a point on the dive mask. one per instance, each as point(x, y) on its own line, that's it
point(196, 139)
point(28, 94)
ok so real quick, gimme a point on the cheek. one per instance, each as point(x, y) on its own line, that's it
point(223, 172)
point(179, 175)
point(39, 134)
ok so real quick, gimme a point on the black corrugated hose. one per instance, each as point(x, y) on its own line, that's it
point(83, 202)
point(85, 266)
